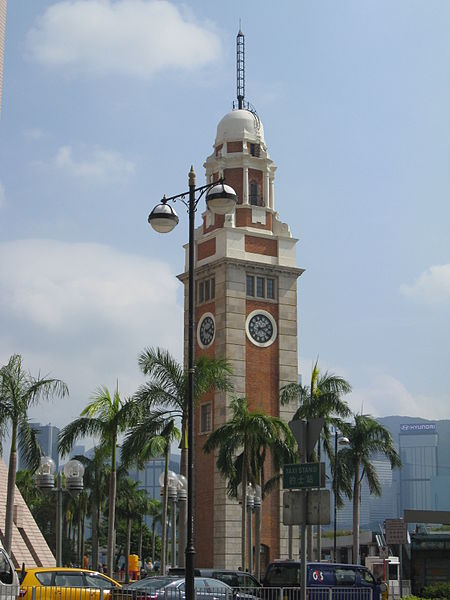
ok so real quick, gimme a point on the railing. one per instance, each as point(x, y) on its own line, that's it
point(394, 588)
point(313, 593)
point(219, 593)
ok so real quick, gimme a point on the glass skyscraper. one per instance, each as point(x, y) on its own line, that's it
point(418, 448)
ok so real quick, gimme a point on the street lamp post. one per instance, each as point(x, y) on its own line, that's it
point(220, 199)
point(181, 497)
point(45, 481)
point(250, 506)
point(343, 441)
point(258, 501)
point(171, 494)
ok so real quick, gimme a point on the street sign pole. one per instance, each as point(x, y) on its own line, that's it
point(397, 533)
point(306, 434)
point(303, 563)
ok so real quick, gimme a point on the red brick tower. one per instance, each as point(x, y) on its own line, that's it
point(246, 312)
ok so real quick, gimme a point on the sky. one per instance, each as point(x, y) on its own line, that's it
point(107, 103)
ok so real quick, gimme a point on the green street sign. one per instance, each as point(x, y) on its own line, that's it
point(303, 475)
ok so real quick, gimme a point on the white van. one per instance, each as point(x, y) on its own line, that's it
point(9, 581)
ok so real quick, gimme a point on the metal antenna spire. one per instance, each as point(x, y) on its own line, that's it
point(240, 55)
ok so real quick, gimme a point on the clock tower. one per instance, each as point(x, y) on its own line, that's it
point(245, 312)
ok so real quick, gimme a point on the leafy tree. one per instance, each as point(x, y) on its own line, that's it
point(321, 399)
point(243, 444)
point(28, 488)
point(19, 390)
point(121, 533)
point(106, 416)
point(367, 438)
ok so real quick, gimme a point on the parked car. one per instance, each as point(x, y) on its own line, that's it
point(235, 579)
point(206, 588)
point(61, 583)
point(354, 582)
point(9, 581)
point(143, 589)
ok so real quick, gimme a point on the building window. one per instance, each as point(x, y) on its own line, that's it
point(206, 417)
point(260, 287)
point(206, 290)
point(254, 198)
point(260, 281)
point(250, 285)
point(253, 150)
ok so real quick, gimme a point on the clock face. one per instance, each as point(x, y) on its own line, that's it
point(206, 330)
point(261, 328)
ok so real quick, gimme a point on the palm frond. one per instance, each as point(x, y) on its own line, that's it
point(211, 374)
point(148, 438)
point(81, 427)
point(29, 448)
point(163, 369)
point(44, 388)
point(101, 404)
point(151, 394)
point(291, 392)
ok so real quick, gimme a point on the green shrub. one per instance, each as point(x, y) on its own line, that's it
point(437, 590)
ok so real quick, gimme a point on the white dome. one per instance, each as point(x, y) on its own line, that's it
point(238, 125)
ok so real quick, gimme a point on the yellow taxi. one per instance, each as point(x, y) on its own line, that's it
point(61, 583)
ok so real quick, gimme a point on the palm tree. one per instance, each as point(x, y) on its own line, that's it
point(95, 482)
point(80, 504)
point(321, 399)
point(155, 513)
point(167, 387)
point(19, 390)
point(367, 438)
point(252, 434)
point(106, 416)
point(128, 506)
point(151, 437)
point(144, 507)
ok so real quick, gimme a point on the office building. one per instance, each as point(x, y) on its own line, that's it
point(418, 448)
point(148, 478)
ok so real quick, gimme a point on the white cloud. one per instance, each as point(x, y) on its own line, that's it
point(2, 194)
point(34, 134)
point(102, 165)
point(84, 312)
point(431, 287)
point(384, 395)
point(134, 37)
